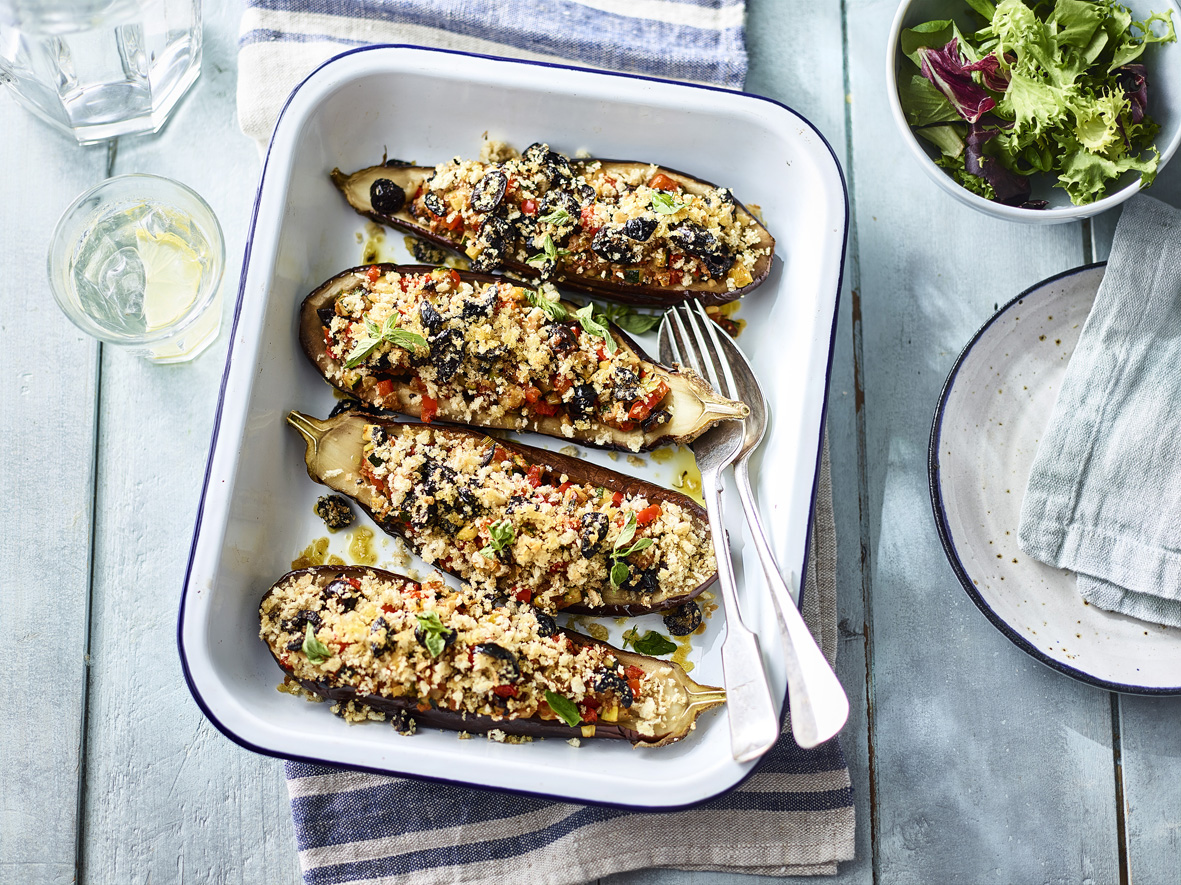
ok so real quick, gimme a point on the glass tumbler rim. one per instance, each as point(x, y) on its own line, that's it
point(67, 233)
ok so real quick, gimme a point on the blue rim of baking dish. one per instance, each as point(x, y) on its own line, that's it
point(242, 742)
point(940, 511)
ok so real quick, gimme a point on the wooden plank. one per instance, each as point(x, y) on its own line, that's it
point(986, 764)
point(810, 80)
point(168, 798)
point(47, 406)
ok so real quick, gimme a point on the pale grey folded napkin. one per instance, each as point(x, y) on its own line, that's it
point(1104, 493)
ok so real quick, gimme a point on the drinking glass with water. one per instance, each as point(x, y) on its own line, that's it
point(137, 261)
point(98, 69)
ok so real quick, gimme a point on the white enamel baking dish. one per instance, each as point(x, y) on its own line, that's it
point(256, 509)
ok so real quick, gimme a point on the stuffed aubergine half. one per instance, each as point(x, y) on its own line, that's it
point(462, 661)
point(517, 521)
point(479, 350)
point(622, 230)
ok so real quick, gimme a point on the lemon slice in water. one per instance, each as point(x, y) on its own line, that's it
point(172, 277)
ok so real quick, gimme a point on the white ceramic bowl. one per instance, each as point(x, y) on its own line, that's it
point(256, 508)
point(1164, 106)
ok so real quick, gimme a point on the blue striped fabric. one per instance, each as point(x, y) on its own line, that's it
point(794, 816)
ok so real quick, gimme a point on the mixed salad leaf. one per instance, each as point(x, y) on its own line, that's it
point(1041, 87)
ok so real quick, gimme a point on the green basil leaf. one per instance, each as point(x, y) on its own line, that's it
point(557, 218)
point(316, 651)
point(552, 309)
point(627, 532)
point(654, 644)
point(592, 326)
point(619, 573)
point(665, 203)
point(405, 340)
point(434, 634)
point(537, 260)
point(564, 707)
point(360, 350)
point(637, 323)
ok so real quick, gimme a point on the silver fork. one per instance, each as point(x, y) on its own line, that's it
point(819, 706)
point(754, 727)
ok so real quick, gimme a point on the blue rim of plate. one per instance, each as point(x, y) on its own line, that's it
point(940, 512)
point(180, 620)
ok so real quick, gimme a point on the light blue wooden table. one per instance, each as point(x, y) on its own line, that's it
point(971, 762)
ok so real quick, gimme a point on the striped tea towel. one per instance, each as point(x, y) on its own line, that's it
point(794, 816)
point(282, 41)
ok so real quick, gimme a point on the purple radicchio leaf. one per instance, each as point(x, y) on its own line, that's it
point(1134, 81)
point(1011, 189)
point(946, 70)
point(990, 70)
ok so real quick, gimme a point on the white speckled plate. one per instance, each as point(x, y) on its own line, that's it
point(991, 415)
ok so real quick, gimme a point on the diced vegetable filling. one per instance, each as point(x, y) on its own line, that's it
point(455, 650)
point(528, 533)
point(487, 350)
point(622, 223)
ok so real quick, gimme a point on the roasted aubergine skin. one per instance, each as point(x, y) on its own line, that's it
point(499, 222)
point(456, 368)
point(451, 660)
point(335, 456)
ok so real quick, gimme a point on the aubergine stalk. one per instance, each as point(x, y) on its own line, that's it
point(479, 350)
point(368, 638)
point(621, 230)
point(516, 521)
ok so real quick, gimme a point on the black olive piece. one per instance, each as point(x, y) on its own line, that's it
point(491, 355)
point(335, 511)
point(546, 625)
point(693, 238)
point(582, 402)
point(560, 338)
point(492, 650)
point(489, 191)
point(717, 264)
point(480, 306)
point(561, 199)
point(403, 722)
point(295, 644)
point(626, 384)
point(535, 153)
point(656, 419)
point(492, 240)
point(343, 592)
point(434, 203)
point(449, 637)
point(380, 646)
point(641, 580)
point(499, 601)
point(489, 454)
point(611, 681)
point(446, 353)
point(426, 253)
point(348, 404)
point(640, 229)
point(386, 197)
point(683, 619)
point(593, 531)
point(586, 194)
point(301, 620)
point(516, 502)
point(430, 318)
point(611, 245)
point(326, 315)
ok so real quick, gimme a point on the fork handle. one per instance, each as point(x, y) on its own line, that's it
point(754, 725)
point(818, 703)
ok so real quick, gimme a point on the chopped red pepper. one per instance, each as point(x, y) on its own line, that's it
point(634, 672)
point(643, 407)
point(648, 514)
point(541, 407)
point(534, 475)
point(617, 499)
point(356, 582)
point(373, 273)
point(430, 408)
point(523, 595)
point(662, 182)
point(532, 394)
point(558, 567)
point(587, 217)
point(455, 277)
point(505, 691)
point(385, 387)
point(562, 488)
point(528, 206)
point(590, 717)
